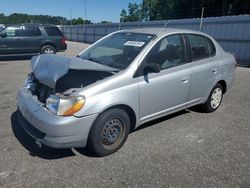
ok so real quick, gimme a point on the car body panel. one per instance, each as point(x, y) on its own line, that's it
point(11, 45)
point(49, 68)
point(204, 77)
point(148, 96)
point(57, 130)
point(161, 91)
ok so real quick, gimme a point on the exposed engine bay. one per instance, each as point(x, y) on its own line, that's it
point(56, 74)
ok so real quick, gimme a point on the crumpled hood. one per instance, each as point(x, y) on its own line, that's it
point(49, 68)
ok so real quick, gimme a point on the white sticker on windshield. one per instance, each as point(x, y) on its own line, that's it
point(134, 43)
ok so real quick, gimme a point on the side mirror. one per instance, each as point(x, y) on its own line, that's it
point(151, 68)
point(3, 35)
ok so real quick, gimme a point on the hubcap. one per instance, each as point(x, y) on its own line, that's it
point(216, 98)
point(112, 132)
point(48, 51)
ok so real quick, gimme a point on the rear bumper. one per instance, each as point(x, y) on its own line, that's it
point(61, 47)
point(49, 129)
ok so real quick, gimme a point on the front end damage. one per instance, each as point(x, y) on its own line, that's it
point(48, 101)
point(61, 75)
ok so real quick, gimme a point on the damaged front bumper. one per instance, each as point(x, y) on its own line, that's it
point(49, 129)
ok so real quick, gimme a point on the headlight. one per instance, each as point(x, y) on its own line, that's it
point(64, 106)
point(29, 82)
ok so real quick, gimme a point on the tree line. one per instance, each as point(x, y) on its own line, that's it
point(17, 18)
point(180, 9)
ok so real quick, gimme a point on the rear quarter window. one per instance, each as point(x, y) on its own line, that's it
point(211, 47)
point(53, 31)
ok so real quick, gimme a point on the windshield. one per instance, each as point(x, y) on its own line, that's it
point(118, 50)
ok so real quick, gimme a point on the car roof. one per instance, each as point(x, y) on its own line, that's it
point(161, 31)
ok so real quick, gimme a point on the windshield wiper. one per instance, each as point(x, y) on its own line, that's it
point(95, 60)
point(99, 62)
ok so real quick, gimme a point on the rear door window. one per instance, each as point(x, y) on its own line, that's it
point(32, 32)
point(53, 31)
point(198, 44)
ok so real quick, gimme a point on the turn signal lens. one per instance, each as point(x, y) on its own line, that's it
point(74, 108)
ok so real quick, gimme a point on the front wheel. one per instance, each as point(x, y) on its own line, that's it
point(214, 100)
point(109, 132)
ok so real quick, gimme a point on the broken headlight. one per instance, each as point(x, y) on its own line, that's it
point(29, 82)
point(65, 106)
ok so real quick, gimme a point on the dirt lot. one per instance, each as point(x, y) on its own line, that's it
point(187, 149)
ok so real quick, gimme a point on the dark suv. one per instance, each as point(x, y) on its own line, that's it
point(29, 39)
point(2, 27)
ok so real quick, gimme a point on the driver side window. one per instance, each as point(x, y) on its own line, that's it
point(14, 32)
point(168, 53)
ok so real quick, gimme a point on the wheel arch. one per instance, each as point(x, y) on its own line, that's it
point(224, 85)
point(49, 43)
point(131, 113)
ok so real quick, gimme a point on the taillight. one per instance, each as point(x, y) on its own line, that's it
point(63, 41)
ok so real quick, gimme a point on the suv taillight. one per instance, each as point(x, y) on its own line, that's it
point(63, 41)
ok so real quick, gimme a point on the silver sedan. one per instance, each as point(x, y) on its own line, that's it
point(126, 79)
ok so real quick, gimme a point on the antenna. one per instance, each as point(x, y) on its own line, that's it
point(85, 11)
point(70, 12)
point(84, 21)
point(202, 13)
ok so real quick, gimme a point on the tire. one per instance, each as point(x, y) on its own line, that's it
point(109, 132)
point(48, 49)
point(214, 100)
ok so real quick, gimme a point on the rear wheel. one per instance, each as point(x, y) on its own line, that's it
point(48, 49)
point(109, 132)
point(214, 100)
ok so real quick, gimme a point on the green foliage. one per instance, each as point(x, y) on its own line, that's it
point(104, 22)
point(25, 18)
point(180, 9)
point(124, 16)
point(80, 21)
point(134, 13)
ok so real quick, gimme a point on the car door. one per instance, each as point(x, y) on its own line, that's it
point(32, 40)
point(11, 40)
point(168, 90)
point(205, 66)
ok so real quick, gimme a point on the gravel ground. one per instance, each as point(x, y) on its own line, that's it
point(187, 149)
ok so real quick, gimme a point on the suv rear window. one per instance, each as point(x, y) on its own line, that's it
point(53, 31)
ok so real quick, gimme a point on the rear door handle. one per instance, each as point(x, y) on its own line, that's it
point(214, 71)
point(184, 80)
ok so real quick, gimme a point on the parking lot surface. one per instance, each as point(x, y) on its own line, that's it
point(186, 149)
